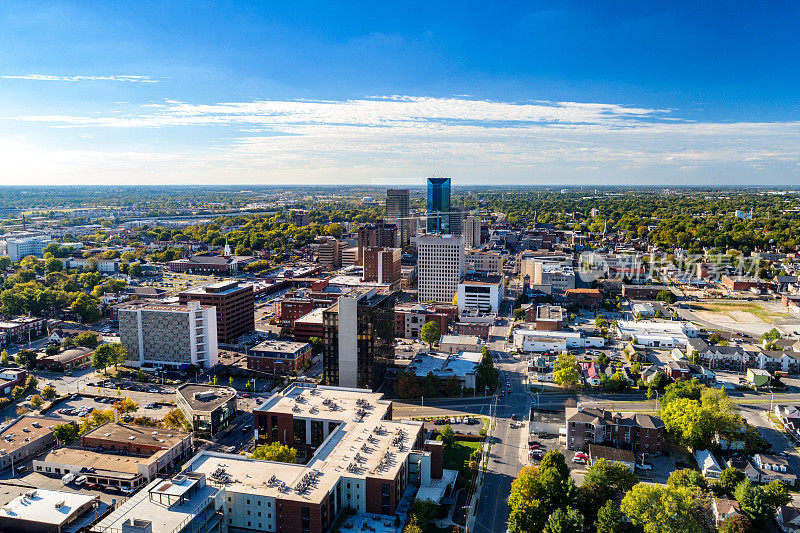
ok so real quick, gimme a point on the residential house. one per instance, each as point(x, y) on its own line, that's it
point(708, 464)
point(744, 465)
point(683, 371)
point(724, 508)
point(591, 374)
point(772, 467)
point(788, 518)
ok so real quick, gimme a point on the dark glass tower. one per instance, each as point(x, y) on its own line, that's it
point(438, 205)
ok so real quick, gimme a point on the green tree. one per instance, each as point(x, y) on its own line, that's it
point(567, 520)
point(658, 509)
point(86, 307)
point(316, 345)
point(753, 501)
point(686, 477)
point(17, 392)
point(4, 358)
point(175, 419)
point(126, 405)
point(736, 524)
point(565, 371)
point(615, 476)
point(66, 433)
point(430, 334)
point(600, 321)
point(771, 335)
point(135, 270)
point(89, 279)
point(102, 356)
point(49, 392)
point(486, 374)
point(538, 492)
point(727, 481)
point(275, 452)
point(26, 359)
point(448, 436)
point(31, 382)
point(36, 401)
point(53, 265)
point(87, 339)
point(609, 518)
point(777, 493)
point(667, 297)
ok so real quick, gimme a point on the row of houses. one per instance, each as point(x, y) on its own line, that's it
point(760, 468)
point(739, 357)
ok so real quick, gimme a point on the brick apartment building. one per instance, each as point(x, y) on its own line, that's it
point(473, 329)
point(235, 307)
point(639, 433)
point(409, 319)
point(278, 357)
point(382, 265)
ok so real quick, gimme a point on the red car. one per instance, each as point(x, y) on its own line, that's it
point(245, 395)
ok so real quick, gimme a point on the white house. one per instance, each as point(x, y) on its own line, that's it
point(708, 464)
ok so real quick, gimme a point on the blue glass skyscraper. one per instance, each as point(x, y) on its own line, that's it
point(438, 205)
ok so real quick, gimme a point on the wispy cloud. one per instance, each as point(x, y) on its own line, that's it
point(48, 77)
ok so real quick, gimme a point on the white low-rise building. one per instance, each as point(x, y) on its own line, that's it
point(657, 334)
point(532, 340)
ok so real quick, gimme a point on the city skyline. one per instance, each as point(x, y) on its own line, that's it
point(618, 94)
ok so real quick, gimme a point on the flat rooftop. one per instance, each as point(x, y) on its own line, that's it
point(355, 450)
point(460, 339)
point(282, 347)
point(205, 397)
point(164, 438)
point(164, 518)
point(13, 437)
point(101, 462)
point(549, 312)
point(220, 287)
point(47, 506)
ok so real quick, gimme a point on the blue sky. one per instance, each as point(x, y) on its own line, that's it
point(369, 92)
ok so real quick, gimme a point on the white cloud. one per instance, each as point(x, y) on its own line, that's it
point(48, 77)
point(389, 136)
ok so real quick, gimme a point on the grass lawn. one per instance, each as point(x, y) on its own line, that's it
point(753, 308)
point(457, 458)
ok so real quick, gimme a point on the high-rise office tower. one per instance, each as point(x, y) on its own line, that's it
point(440, 266)
point(398, 212)
point(358, 339)
point(472, 231)
point(438, 205)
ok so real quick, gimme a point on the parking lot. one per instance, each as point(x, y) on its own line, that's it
point(82, 405)
point(463, 425)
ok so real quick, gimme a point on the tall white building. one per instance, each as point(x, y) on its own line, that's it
point(482, 293)
point(172, 336)
point(440, 266)
point(20, 248)
point(472, 231)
